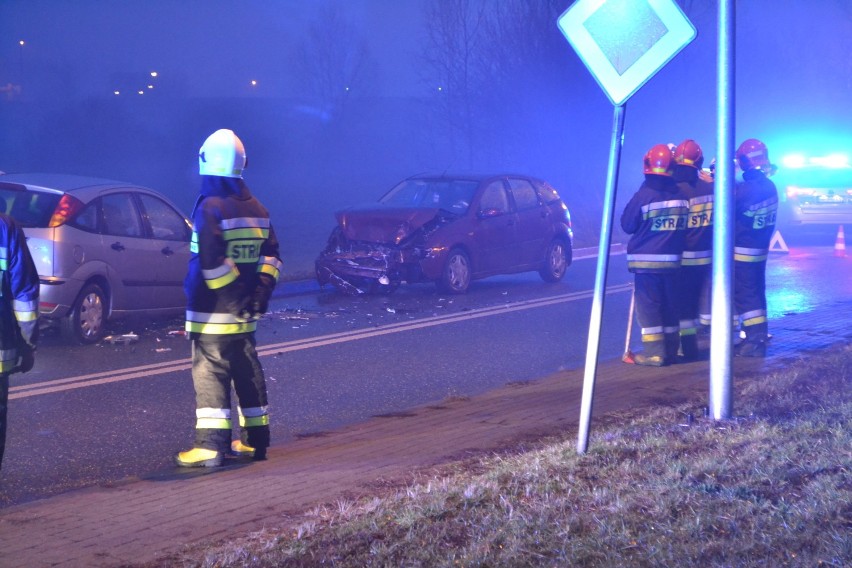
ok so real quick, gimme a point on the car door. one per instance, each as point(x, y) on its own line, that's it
point(170, 235)
point(532, 225)
point(494, 234)
point(131, 255)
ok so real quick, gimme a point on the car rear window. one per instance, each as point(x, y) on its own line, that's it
point(29, 208)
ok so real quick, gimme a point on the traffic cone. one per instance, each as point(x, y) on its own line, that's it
point(840, 243)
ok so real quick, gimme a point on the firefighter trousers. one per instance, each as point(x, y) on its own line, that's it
point(656, 312)
point(217, 363)
point(693, 305)
point(4, 407)
point(750, 300)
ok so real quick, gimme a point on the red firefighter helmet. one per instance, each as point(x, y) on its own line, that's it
point(752, 154)
point(688, 153)
point(659, 160)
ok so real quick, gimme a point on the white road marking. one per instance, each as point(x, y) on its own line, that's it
point(145, 371)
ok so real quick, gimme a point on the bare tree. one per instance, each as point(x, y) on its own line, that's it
point(453, 63)
point(333, 61)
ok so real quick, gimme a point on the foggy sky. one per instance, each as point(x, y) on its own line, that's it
point(794, 79)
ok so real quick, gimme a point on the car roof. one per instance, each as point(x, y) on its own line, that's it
point(69, 183)
point(470, 176)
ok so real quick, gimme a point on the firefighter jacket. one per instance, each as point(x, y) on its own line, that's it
point(755, 210)
point(18, 295)
point(235, 263)
point(655, 217)
point(698, 239)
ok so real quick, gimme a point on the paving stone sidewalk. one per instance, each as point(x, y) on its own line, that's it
point(141, 520)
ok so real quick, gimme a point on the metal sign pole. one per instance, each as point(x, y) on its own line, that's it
point(721, 378)
point(593, 345)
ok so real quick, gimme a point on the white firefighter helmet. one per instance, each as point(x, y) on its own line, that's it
point(222, 154)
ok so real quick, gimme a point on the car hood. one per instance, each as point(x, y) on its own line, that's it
point(382, 224)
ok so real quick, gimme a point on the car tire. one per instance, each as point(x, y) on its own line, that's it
point(557, 259)
point(85, 324)
point(456, 275)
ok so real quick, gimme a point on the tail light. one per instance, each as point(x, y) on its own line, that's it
point(65, 210)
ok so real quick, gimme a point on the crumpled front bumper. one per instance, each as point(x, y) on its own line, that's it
point(362, 266)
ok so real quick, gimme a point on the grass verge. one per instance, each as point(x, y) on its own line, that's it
point(770, 488)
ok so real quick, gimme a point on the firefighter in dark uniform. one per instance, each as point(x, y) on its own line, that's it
point(233, 270)
point(755, 209)
point(694, 280)
point(19, 288)
point(655, 218)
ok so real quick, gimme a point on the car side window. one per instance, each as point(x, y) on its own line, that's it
point(87, 219)
point(494, 200)
point(524, 194)
point(165, 222)
point(120, 217)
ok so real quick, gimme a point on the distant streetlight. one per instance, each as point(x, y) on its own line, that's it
point(141, 92)
point(150, 86)
point(153, 73)
point(253, 83)
point(21, 44)
point(116, 93)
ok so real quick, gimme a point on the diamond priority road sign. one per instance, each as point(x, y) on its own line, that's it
point(625, 42)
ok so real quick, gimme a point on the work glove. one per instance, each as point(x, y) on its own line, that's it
point(26, 359)
point(260, 299)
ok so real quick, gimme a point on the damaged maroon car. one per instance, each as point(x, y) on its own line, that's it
point(449, 229)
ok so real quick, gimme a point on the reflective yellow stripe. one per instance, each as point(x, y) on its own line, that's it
point(213, 423)
point(245, 233)
point(221, 275)
point(754, 321)
point(744, 254)
point(271, 266)
point(221, 328)
point(249, 421)
point(26, 316)
point(753, 317)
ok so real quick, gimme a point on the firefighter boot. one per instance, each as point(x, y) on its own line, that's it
point(649, 360)
point(672, 341)
point(240, 449)
point(689, 347)
point(751, 348)
point(653, 354)
point(199, 457)
point(754, 343)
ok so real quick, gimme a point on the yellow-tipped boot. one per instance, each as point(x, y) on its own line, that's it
point(240, 449)
point(199, 457)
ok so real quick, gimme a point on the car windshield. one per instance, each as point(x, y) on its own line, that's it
point(29, 208)
point(451, 195)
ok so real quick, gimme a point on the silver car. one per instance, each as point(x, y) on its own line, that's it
point(102, 248)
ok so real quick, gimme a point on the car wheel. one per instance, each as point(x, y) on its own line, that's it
point(557, 258)
point(456, 276)
point(85, 323)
